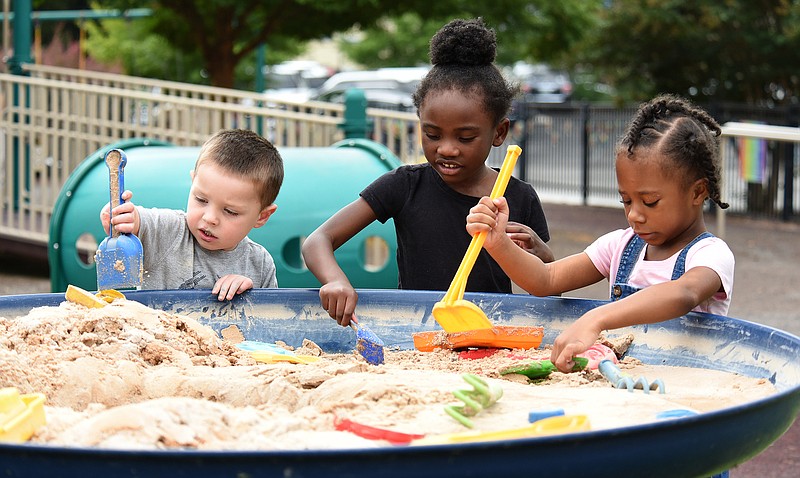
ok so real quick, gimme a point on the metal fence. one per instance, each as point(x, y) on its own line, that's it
point(568, 155)
point(53, 119)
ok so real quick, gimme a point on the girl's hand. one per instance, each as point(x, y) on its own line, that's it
point(489, 216)
point(529, 241)
point(576, 339)
point(229, 285)
point(125, 216)
point(339, 299)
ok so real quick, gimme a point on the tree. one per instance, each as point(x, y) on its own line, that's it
point(226, 32)
point(399, 41)
point(534, 31)
point(734, 50)
point(130, 44)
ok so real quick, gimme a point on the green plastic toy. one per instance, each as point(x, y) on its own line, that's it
point(538, 369)
point(480, 397)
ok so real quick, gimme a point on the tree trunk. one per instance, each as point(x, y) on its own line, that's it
point(219, 56)
point(221, 69)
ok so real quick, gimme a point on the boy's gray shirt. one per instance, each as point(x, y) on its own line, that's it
point(174, 260)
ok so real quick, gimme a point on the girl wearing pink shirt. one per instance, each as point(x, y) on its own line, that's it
point(666, 263)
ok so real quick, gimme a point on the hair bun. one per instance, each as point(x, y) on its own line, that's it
point(465, 42)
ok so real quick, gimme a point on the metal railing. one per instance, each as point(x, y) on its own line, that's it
point(54, 119)
point(568, 155)
point(399, 130)
point(789, 136)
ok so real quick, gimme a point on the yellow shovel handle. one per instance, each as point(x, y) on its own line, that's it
point(547, 426)
point(500, 184)
point(459, 284)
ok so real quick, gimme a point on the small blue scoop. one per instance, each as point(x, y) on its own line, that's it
point(368, 345)
point(119, 256)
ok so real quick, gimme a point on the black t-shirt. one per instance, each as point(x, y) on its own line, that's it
point(430, 222)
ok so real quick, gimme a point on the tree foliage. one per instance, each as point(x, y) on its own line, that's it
point(399, 41)
point(223, 34)
point(226, 32)
point(736, 50)
point(131, 44)
point(527, 30)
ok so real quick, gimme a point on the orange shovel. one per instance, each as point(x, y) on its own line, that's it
point(454, 313)
point(500, 336)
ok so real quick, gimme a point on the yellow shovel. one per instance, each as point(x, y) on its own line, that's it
point(547, 426)
point(454, 313)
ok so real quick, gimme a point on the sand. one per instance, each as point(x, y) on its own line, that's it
point(129, 377)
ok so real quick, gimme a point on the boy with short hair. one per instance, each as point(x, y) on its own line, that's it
point(235, 181)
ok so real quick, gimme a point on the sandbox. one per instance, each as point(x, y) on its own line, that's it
point(698, 445)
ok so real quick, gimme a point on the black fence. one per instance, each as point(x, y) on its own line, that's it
point(568, 155)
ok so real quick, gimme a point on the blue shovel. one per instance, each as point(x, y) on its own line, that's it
point(119, 256)
point(368, 345)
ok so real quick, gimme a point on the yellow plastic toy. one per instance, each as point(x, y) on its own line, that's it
point(20, 415)
point(83, 297)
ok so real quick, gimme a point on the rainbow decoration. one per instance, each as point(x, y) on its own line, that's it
point(752, 159)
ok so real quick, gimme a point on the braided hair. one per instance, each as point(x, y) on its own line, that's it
point(462, 54)
point(682, 132)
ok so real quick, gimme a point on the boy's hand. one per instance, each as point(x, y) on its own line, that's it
point(339, 299)
point(126, 218)
point(229, 285)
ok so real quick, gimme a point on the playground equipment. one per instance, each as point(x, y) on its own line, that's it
point(317, 183)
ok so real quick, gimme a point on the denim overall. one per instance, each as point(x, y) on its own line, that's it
point(621, 288)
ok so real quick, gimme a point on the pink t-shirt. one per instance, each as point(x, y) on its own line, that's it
point(711, 252)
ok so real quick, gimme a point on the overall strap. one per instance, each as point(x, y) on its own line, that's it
point(680, 263)
point(626, 263)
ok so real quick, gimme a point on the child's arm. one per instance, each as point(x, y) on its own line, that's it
point(524, 269)
point(336, 295)
point(656, 303)
point(126, 217)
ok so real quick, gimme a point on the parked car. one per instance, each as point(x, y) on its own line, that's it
point(388, 88)
point(296, 80)
point(541, 84)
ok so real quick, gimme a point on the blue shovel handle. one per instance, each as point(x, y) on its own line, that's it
point(119, 257)
point(116, 161)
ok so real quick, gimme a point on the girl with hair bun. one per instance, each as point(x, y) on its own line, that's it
point(662, 266)
point(463, 105)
